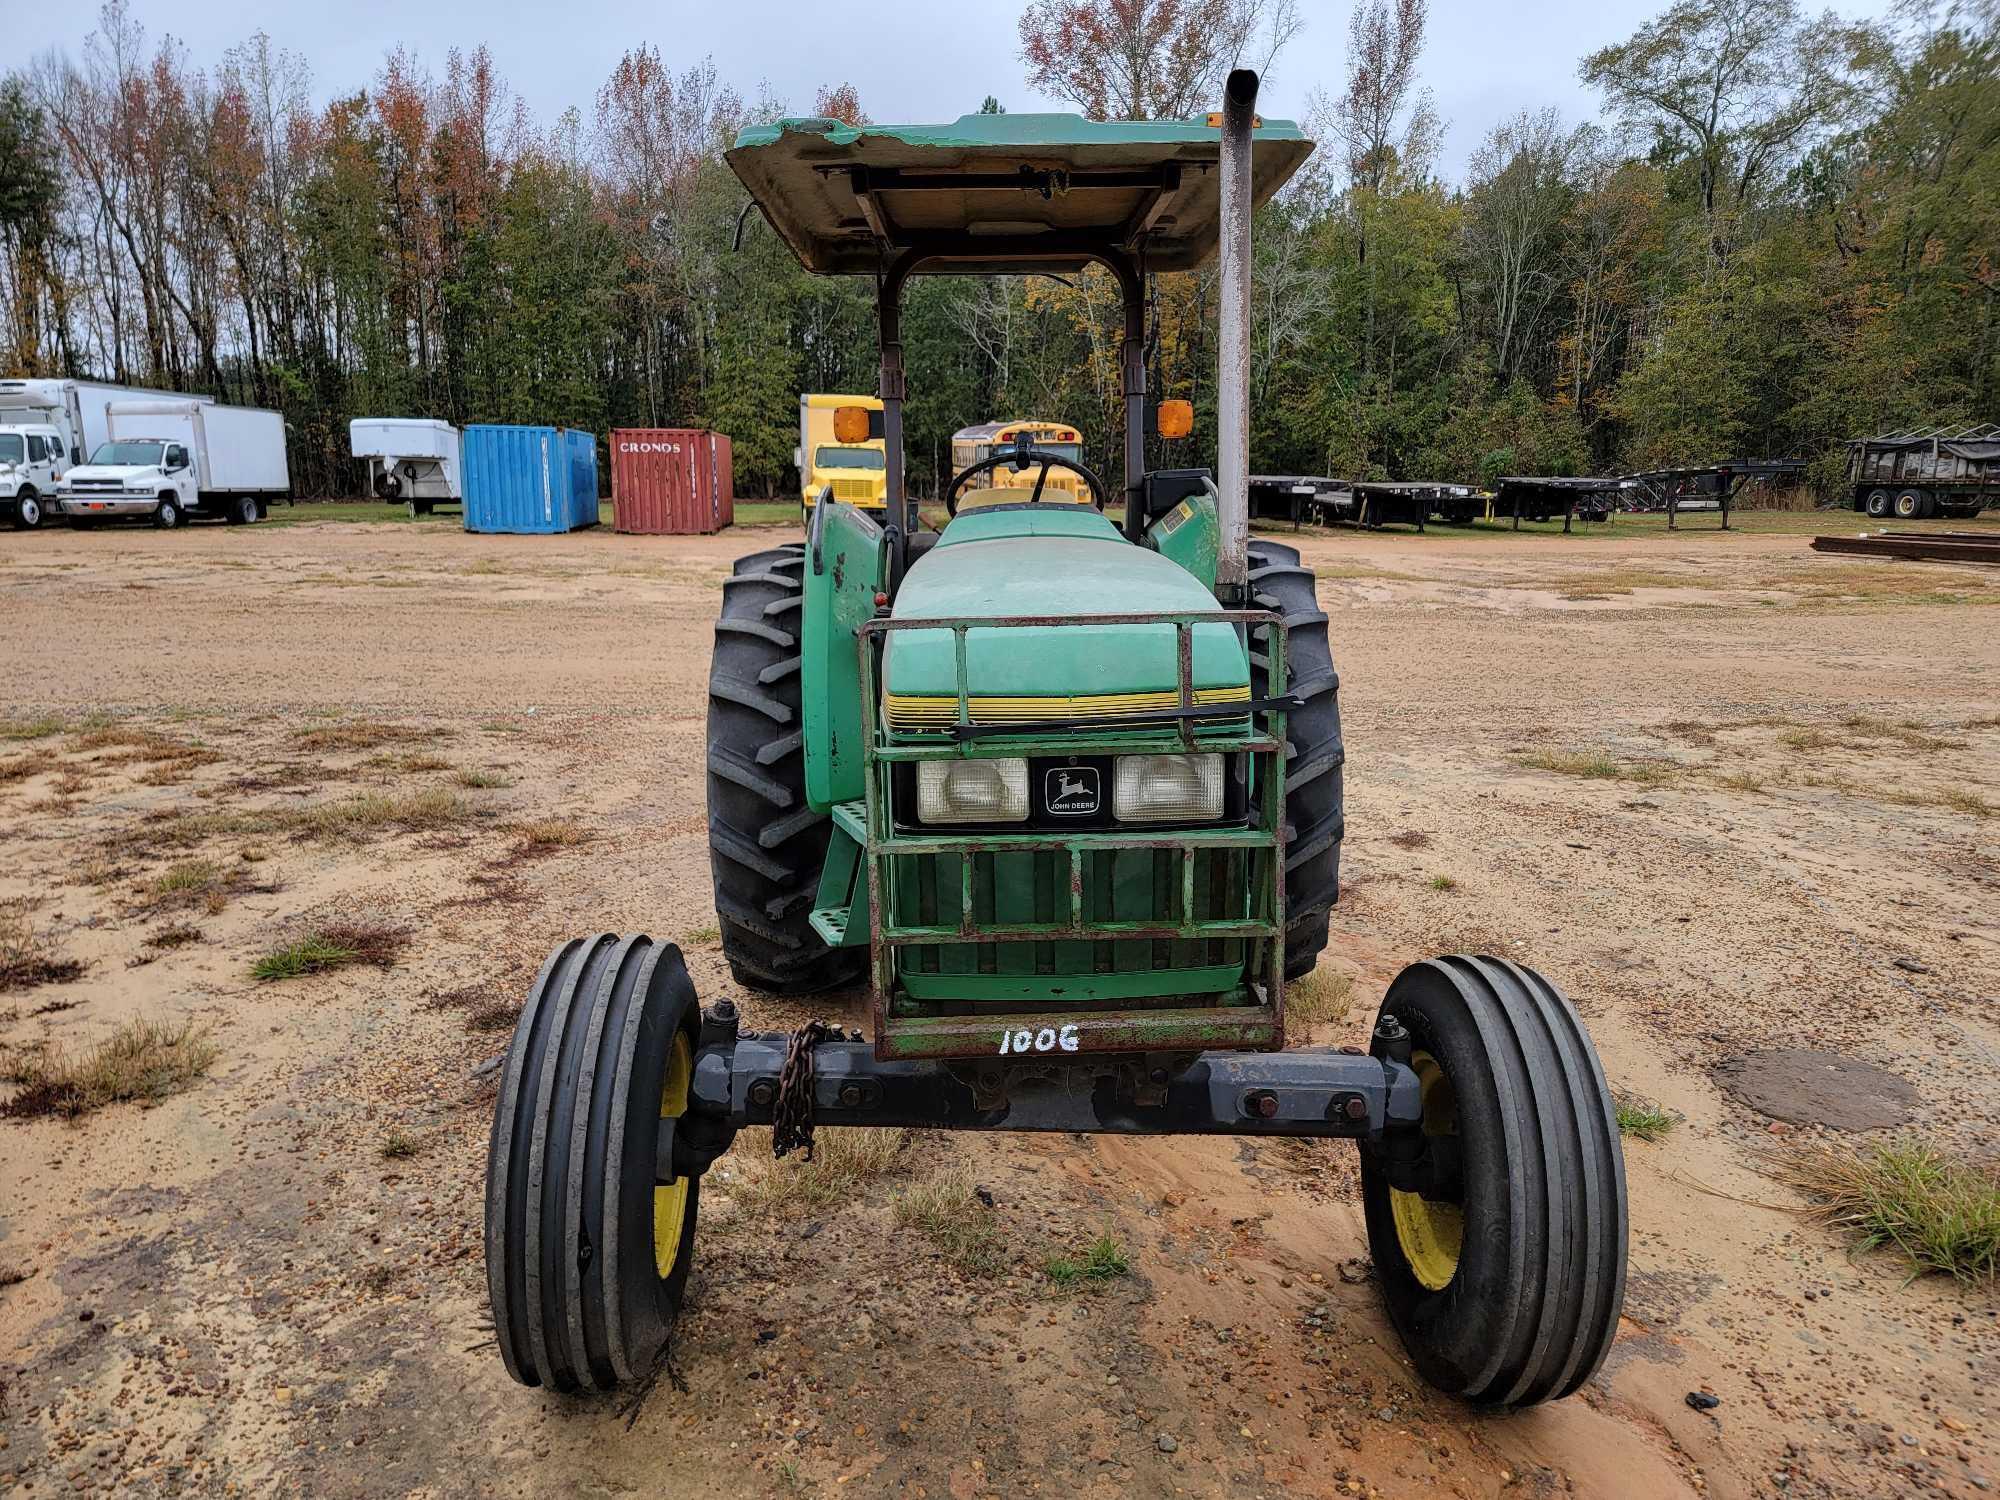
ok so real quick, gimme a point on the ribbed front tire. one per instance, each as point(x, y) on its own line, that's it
point(766, 846)
point(1507, 1290)
point(587, 1252)
point(1315, 800)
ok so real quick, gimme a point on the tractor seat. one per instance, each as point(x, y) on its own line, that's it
point(1021, 495)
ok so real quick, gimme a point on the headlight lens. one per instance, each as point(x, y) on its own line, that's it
point(1167, 788)
point(972, 791)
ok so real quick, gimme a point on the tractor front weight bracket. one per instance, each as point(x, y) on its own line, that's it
point(1310, 1092)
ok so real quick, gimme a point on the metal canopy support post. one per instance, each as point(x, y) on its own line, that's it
point(1132, 283)
point(889, 319)
point(1232, 376)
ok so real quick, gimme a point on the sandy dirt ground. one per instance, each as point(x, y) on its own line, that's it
point(271, 1283)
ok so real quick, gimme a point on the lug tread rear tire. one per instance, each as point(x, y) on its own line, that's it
point(1535, 1298)
point(1315, 793)
point(766, 844)
point(571, 1271)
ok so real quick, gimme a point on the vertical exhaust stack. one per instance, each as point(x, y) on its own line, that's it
point(1232, 375)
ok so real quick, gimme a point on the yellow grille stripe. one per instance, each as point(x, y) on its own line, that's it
point(928, 712)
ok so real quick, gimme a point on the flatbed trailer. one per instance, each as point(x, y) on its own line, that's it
point(1709, 487)
point(1297, 498)
point(1542, 497)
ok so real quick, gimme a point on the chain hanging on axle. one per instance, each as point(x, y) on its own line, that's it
point(792, 1110)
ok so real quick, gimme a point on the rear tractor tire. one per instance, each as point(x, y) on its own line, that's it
point(766, 846)
point(1506, 1285)
point(1315, 805)
point(587, 1253)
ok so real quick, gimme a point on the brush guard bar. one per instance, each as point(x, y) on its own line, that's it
point(1256, 730)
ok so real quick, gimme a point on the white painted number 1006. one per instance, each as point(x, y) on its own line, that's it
point(1048, 1039)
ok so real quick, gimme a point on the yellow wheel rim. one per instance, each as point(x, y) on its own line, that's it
point(670, 1200)
point(1430, 1234)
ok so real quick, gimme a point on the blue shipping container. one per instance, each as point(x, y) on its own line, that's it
point(533, 479)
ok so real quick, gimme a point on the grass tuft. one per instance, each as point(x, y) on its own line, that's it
point(551, 833)
point(944, 1207)
point(1323, 995)
point(1645, 1121)
point(1940, 1212)
point(481, 780)
point(333, 946)
point(1443, 883)
point(844, 1162)
point(399, 1145)
point(1593, 765)
point(142, 1060)
point(362, 735)
point(31, 729)
point(27, 957)
point(1102, 1260)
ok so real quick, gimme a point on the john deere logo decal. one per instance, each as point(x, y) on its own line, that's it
point(1072, 791)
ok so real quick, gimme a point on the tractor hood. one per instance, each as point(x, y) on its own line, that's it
point(1064, 564)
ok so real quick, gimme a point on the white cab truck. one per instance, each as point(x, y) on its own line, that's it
point(33, 457)
point(409, 458)
point(171, 461)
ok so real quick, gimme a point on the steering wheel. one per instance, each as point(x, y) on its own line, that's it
point(1020, 456)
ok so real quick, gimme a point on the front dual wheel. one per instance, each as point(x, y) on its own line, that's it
point(589, 1238)
point(1504, 1272)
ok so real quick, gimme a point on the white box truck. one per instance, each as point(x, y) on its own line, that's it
point(75, 408)
point(409, 458)
point(175, 460)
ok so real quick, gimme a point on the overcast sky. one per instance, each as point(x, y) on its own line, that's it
point(911, 60)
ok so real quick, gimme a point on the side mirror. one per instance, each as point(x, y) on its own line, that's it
point(850, 424)
point(1176, 419)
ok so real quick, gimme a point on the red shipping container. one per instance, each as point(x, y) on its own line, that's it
point(671, 480)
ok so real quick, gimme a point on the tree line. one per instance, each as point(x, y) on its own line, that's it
point(1782, 231)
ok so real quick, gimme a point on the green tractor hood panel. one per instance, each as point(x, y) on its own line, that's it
point(1031, 185)
point(1041, 672)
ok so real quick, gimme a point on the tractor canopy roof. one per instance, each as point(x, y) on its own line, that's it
point(993, 194)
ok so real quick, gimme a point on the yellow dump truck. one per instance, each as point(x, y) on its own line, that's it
point(858, 472)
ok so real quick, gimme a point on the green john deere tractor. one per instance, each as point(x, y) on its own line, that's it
point(1062, 783)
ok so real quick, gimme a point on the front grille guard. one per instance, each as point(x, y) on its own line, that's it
point(1254, 729)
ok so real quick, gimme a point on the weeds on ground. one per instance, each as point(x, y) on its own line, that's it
point(173, 935)
point(143, 1061)
point(1638, 1118)
point(944, 1207)
point(845, 1161)
point(335, 945)
point(398, 1145)
point(362, 735)
point(353, 817)
point(20, 768)
point(31, 729)
point(1443, 883)
point(480, 780)
point(1102, 1260)
point(1322, 995)
point(550, 833)
point(423, 762)
point(1595, 765)
point(1939, 1211)
point(27, 957)
point(701, 936)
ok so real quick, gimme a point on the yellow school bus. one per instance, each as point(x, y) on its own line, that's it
point(858, 472)
point(970, 444)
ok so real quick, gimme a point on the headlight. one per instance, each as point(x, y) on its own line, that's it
point(1167, 788)
point(972, 791)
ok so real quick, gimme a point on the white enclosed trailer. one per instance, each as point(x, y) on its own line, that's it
point(409, 458)
point(174, 460)
point(77, 409)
